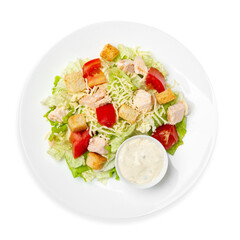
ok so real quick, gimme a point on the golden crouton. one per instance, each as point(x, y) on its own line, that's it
point(95, 161)
point(128, 113)
point(109, 52)
point(77, 123)
point(165, 97)
point(74, 82)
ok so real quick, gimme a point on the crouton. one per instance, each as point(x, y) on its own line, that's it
point(77, 123)
point(165, 97)
point(109, 52)
point(128, 113)
point(74, 82)
point(95, 161)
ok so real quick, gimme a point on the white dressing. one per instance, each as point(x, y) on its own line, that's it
point(140, 160)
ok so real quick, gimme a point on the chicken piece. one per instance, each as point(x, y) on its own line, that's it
point(95, 161)
point(128, 113)
point(143, 101)
point(88, 101)
point(57, 114)
point(75, 82)
point(175, 113)
point(186, 107)
point(97, 145)
point(97, 99)
point(103, 102)
point(77, 123)
point(126, 66)
point(139, 66)
point(101, 92)
point(165, 96)
point(109, 52)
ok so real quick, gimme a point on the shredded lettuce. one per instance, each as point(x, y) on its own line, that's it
point(60, 128)
point(56, 81)
point(126, 52)
point(56, 126)
point(72, 162)
point(117, 141)
point(60, 95)
point(102, 176)
point(59, 148)
point(77, 166)
point(151, 62)
point(131, 53)
point(120, 87)
point(181, 129)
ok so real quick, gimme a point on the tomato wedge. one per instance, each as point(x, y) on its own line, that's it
point(155, 80)
point(167, 135)
point(106, 115)
point(80, 141)
point(96, 79)
point(90, 67)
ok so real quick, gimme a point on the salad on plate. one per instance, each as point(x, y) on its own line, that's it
point(96, 104)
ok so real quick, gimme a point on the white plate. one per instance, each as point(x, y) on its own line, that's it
point(116, 200)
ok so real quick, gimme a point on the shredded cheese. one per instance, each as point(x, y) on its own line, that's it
point(146, 122)
point(120, 91)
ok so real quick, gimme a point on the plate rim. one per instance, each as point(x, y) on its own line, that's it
point(165, 204)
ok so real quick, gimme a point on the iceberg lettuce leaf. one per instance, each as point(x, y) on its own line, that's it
point(117, 141)
point(126, 52)
point(181, 129)
point(77, 166)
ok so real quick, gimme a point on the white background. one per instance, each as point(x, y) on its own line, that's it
point(210, 30)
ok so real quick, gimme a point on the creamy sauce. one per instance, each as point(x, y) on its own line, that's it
point(140, 160)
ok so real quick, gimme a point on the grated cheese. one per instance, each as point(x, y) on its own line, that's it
point(145, 121)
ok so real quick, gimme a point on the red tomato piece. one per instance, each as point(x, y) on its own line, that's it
point(75, 137)
point(106, 115)
point(80, 142)
point(155, 80)
point(96, 79)
point(167, 135)
point(90, 67)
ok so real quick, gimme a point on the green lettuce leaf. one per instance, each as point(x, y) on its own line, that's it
point(59, 148)
point(120, 87)
point(181, 129)
point(56, 81)
point(59, 128)
point(117, 141)
point(72, 162)
point(77, 166)
point(60, 96)
point(102, 177)
point(151, 62)
point(118, 73)
point(126, 52)
point(66, 117)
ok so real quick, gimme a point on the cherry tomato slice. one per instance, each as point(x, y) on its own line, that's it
point(167, 135)
point(80, 142)
point(155, 80)
point(96, 79)
point(106, 115)
point(90, 67)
